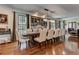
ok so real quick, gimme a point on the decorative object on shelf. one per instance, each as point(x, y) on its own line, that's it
point(3, 18)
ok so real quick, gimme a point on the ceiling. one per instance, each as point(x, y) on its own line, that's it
point(72, 9)
point(60, 10)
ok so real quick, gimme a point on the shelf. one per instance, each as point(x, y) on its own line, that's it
point(37, 21)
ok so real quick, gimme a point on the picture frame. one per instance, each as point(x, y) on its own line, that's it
point(3, 19)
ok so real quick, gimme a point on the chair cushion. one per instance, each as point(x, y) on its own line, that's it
point(38, 40)
point(48, 38)
point(23, 40)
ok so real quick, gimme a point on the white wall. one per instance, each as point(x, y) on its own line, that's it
point(7, 11)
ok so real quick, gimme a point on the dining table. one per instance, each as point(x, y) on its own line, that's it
point(31, 36)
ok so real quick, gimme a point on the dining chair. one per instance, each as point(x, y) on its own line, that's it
point(63, 34)
point(42, 37)
point(59, 34)
point(39, 29)
point(34, 29)
point(55, 36)
point(21, 39)
point(29, 30)
point(50, 35)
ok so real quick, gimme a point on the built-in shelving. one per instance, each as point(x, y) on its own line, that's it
point(37, 21)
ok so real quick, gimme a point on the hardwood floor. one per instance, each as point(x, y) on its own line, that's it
point(71, 47)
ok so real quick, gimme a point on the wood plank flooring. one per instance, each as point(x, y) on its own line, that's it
point(71, 47)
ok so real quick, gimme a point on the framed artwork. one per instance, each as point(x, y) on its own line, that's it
point(3, 19)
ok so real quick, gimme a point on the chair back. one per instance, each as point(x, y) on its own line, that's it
point(50, 34)
point(56, 33)
point(39, 29)
point(59, 32)
point(43, 35)
point(63, 31)
point(35, 30)
point(18, 36)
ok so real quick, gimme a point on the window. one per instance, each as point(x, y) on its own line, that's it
point(21, 23)
point(62, 24)
point(72, 25)
point(53, 25)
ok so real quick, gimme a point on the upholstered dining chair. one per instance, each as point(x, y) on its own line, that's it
point(63, 34)
point(39, 29)
point(42, 37)
point(50, 35)
point(34, 29)
point(21, 39)
point(59, 34)
point(56, 34)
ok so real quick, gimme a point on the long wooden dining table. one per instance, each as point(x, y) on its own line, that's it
point(30, 34)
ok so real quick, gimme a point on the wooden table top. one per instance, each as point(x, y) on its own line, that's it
point(31, 33)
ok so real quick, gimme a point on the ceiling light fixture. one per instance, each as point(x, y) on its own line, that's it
point(35, 14)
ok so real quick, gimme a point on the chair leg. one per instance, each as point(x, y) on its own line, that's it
point(57, 39)
point(54, 40)
point(40, 45)
point(26, 44)
point(19, 44)
point(51, 41)
point(64, 38)
point(29, 43)
point(46, 41)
